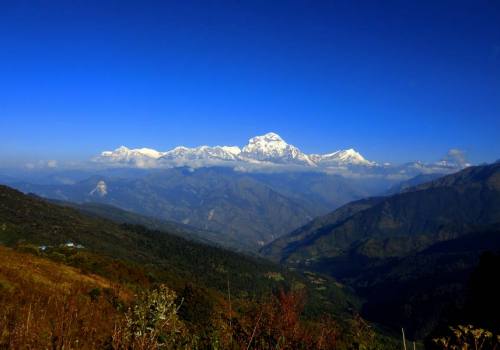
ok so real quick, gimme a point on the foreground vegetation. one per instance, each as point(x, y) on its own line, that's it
point(46, 304)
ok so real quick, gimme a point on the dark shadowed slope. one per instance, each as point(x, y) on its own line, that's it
point(402, 223)
point(411, 254)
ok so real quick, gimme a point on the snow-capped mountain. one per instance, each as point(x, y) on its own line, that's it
point(341, 158)
point(267, 149)
point(272, 148)
point(139, 157)
point(270, 151)
point(124, 153)
point(182, 153)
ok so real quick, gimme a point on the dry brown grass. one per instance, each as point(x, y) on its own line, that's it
point(21, 269)
point(48, 305)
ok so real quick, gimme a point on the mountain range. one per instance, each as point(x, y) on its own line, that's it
point(248, 196)
point(267, 149)
point(271, 152)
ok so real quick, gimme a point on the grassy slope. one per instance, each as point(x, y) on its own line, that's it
point(20, 269)
point(46, 304)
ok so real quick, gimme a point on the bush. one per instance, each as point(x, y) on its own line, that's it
point(151, 323)
point(468, 337)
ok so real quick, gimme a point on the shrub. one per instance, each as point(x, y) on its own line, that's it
point(468, 337)
point(151, 323)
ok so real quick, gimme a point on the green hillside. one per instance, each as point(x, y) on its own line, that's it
point(166, 257)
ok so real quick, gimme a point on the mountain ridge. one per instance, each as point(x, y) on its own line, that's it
point(269, 148)
point(437, 210)
point(271, 153)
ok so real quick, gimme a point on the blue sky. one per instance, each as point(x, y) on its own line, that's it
point(396, 80)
